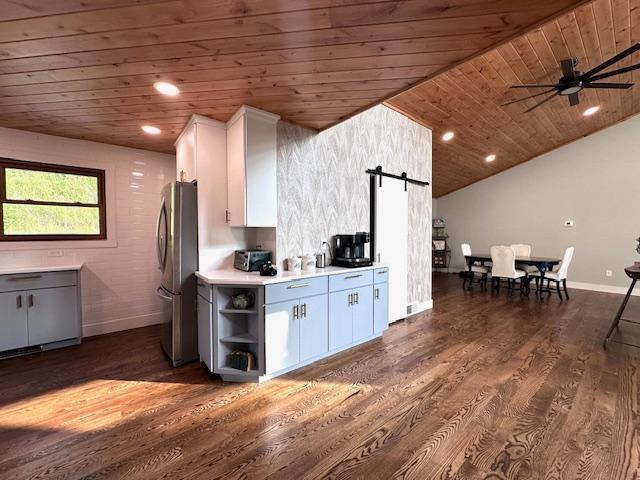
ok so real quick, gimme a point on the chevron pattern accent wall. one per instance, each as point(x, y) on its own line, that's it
point(323, 189)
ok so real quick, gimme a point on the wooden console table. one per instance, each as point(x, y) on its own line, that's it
point(634, 274)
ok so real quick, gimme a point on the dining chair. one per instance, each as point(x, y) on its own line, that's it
point(559, 276)
point(481, 269)
point(504, 267)
point(524, 250)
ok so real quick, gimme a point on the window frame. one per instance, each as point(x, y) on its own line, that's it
point(53, 168)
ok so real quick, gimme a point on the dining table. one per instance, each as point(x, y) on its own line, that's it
point(543, 264)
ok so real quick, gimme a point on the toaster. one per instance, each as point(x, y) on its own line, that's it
point(251, 260)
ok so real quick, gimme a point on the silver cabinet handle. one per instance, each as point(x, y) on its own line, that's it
point(30, 299)
point(19, 279)
point(349, 277)
point(350, 299)
point(357, 296)
point(382, 272)
point(299, 285)
point(376, 293)
point(304, 310)
point(296, 314)
point(19, 301)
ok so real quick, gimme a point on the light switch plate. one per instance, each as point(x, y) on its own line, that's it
point(568, 223)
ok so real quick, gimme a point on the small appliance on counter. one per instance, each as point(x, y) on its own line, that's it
point(251, 260)
point(349, 250)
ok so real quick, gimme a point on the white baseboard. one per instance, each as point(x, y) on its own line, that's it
point(595, 287)
point(91, 329)
point(419, 307)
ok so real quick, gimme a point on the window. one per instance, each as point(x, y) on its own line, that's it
point(39, 201)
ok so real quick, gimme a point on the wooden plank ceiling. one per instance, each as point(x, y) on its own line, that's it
point(85, 69)
point(467, 99)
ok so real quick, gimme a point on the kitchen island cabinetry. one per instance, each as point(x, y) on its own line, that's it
point(295, 320)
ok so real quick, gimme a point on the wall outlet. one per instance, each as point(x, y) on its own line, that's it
point(568, 223)
point(55, 253)
point(608, 273)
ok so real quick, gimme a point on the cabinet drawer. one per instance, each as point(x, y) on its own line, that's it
point(205, 290)
point(349, 280)
point(305, 287)
point(33, 281)
point(381, 275)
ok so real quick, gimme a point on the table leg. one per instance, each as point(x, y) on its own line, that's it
point(618, 316)
point(542, 269)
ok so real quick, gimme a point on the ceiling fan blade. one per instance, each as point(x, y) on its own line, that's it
point(574, 99)
point(618, 71)
point(608, 85)
point(541, 102)
point(534, 85)
point(567, 69)
point(526, 98)
point(616, 58)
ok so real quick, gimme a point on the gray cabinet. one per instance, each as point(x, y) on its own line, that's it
point(13, 321)
point(282, 335)
point(205, 335)
point(314, 327)
point(380, 307)
point(40, 310)
point(52, 314)
point(340, 319)
point(362, 307)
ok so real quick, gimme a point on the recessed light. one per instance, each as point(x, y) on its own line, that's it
point(590, 111)
point(490, 158)
point(448, 136)
point(151, 130)
point(166, 88)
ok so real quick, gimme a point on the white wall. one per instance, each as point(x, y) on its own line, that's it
point(120, 274)
point(594, 181)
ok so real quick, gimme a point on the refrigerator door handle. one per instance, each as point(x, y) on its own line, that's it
point(161, 246)
point(160, 293)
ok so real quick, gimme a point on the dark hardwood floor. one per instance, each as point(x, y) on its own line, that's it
point(482, 387)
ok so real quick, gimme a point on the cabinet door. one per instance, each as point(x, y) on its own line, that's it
point(314, 326)
point(13, 321)
point(380, 307)
point(340, 319)
point(363, 313)
point(186, 155)
point(236, 173)
point(205, 337)
point(53, 314)
point(282, 336)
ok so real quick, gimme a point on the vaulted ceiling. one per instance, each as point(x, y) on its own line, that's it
point(467, 99)
point(85, 69)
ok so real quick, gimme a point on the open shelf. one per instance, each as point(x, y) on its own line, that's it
point(226, 369)
point(240, 338)
point(235, 310)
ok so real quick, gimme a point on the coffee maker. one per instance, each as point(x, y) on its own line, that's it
point(350, 250)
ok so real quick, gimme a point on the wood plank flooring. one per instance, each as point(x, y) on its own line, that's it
point(482, 387)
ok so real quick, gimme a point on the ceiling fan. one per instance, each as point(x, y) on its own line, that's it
point(573, 81)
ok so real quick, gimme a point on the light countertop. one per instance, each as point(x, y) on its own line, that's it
point(238, 277)
point(39, 269)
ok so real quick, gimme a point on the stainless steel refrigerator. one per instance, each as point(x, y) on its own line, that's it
point(177, 248)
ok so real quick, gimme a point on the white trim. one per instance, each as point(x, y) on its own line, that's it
point(256, 112)
point(89, 330)
point(594, 287)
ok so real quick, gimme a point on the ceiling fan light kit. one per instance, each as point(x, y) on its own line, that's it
point(573, 81)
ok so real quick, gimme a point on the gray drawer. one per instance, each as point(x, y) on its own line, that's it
point(205, 290)
point(345, 281)
point(33, 281)
point(381, 275)
point(305, 287)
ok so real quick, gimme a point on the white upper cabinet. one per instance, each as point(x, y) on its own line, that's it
point(186, 154)
point(251, 168)
point(198, 145)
